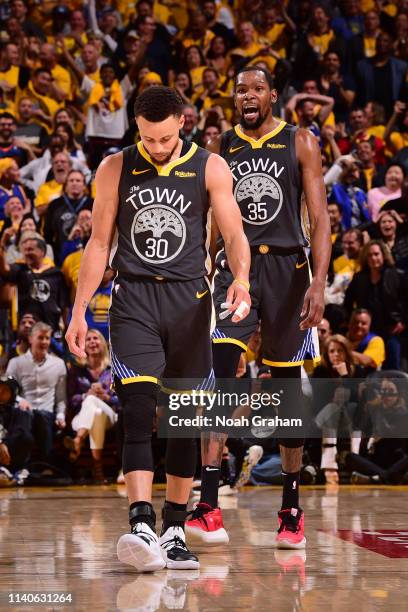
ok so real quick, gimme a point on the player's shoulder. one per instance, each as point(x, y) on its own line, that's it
point(111, 165)
point(289, 127)
point(199, 151)
point(306, 144)
point(304, 135)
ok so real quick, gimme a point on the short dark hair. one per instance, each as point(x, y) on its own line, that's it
point(268, 76)
point(360, 311)
point(213, 70)
point(334, 203)
point(157, 103)
point(40, 243)
point(108, 65)
point(7, 115)
point(40, 70)
point(357, 109)
point(358, 233)
point(300, 103)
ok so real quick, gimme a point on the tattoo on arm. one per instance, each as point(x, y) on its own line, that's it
point(84, 304)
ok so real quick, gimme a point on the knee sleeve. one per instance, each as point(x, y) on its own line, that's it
point(138, 401)
point(226, 359)
point(181, 456)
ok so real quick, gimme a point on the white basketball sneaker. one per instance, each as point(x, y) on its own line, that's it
point(141, 549)
point(175, 552)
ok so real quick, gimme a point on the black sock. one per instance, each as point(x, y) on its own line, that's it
point(167, 520)
point(150, 519)
point(210, 477)
point(290, 496)
point(225, 473)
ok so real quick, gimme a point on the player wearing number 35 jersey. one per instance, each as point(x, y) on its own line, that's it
point(272, 164)
point(151, 214)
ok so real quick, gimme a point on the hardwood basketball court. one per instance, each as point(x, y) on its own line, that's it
point(64, 541)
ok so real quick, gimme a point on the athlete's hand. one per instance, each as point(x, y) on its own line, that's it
point(313, 306)
point(238, 303)
point(75, 337)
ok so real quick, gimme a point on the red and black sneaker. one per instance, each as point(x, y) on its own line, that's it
point(291, 529)
point(206, 526)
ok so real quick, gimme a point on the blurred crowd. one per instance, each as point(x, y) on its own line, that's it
point(70, 71)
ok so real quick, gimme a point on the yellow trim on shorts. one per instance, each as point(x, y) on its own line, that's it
point(134, 379)
point(282, 364)
point(230, 341)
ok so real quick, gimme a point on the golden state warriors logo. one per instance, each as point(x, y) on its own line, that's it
point(259, 197)
point(158, 234)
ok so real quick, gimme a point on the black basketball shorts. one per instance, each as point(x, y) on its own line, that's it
point(278, 286)
point(160, 329)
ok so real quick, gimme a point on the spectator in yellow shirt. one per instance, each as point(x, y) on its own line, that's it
point(73, 249)
point(9, 68)
point(249, 47)
point(197, 32)
point(211, 95)
point(62, 82)
point(195, 64)
point(368, 348)
point(39, 90)
point(61, 164)
point(344, 267)
point(275, 28)
point(352, 242)
point(77, 37)
point(320, 34)
point(397, 139)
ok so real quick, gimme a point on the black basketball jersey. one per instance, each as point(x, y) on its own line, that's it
point(162, 225)
point(267, 185)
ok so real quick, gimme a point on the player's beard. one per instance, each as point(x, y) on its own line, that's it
point(253, 125)
point(164, 161)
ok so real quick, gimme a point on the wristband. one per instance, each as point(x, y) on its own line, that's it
point(244, 283)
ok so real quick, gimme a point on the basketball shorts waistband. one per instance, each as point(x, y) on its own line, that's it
point(265, 249)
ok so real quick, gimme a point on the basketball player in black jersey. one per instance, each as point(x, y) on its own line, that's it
point(272, 164)
point(151, 213)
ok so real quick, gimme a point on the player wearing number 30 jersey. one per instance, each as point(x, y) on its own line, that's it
point(151, 213)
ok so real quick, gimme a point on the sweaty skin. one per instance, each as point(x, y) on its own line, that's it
point(252, 88)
